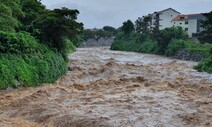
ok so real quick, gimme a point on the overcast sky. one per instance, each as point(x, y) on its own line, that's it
point(99, 13)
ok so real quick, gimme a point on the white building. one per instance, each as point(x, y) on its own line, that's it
point(160, 20)
point(163, 19)
point(190, 23)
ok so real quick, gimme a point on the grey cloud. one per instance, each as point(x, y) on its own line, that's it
point(98, 13)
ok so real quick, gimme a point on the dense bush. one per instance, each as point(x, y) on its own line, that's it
point(20, 42)
point(24, 62)
point(149, 46)
point(164, 42)
point(132, 43)
point(206, 65)
point(203, 48)
point(35, 42)
point(30, 70)
point(174, 46)
point(160, 42)
point(96, 34)
point(165, 36)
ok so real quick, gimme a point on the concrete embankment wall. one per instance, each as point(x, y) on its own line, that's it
point(98, 42)
point(189, 55)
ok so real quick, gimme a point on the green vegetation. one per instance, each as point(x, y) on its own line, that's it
point(34, 42)
point(163, 42)
point(127, 27)
point(205, 65)
point(105, 32)
point(174, 46)
point(207, 33)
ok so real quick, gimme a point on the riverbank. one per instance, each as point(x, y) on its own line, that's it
point(112, 88)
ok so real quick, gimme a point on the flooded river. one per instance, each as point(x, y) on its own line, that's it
point(106, 88)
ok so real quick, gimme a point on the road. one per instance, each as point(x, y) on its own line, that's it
point(106, 88)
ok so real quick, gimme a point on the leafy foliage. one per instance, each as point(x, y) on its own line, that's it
point(32, 10)
point(207, 25)
point(205, 65)
point(55, 25)
point(131, 43)
point(96, 34)
point(24, 60)
point(128, 27)
point(174, 46)
point(27, 60)
point(17, 43)
point(156, 43)
point(110, 29)
point(164, 42)
point(15, 7)
point(141, 24)
point(165, 36)
point(7, 21)
point(88, 34)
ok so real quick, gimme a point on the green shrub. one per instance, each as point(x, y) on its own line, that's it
point(126, 43)
point(203, 48)
point(133, 42)
point(149, 46)
point(31, 70)
point(165, 36)
point(205, 65)
point(27, 62)
point(174, 46)
point(18, 43)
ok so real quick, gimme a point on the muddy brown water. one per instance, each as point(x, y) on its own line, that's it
point(106, 88)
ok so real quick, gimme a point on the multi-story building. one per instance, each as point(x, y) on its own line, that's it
point(163, 19)
point(159, 20)
point(191, 23)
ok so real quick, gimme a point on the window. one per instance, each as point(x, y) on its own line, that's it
point(171, 15)
point(186, 22)
point(186, 29)
point(180, 23)
point(182, 17)
point(174, 22)
point(198, 30)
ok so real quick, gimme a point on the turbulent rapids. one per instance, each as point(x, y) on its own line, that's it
point(106, 88)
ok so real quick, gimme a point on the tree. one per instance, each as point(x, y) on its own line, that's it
point(165, 36)
point(128, 27)
point(32, 9)
point(53, 26)
point(88, 34)
point(141, 24)
point(15, 7)
point(7, 21)
point(101, 33)
point(207, 25)
point(110, 29)
point(10, 14)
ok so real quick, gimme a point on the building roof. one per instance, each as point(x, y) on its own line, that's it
point(166, 10)
point(189, 16)
point(161, 12)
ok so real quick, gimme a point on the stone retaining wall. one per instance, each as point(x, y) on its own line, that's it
point(189, 55)
point(98, 42)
